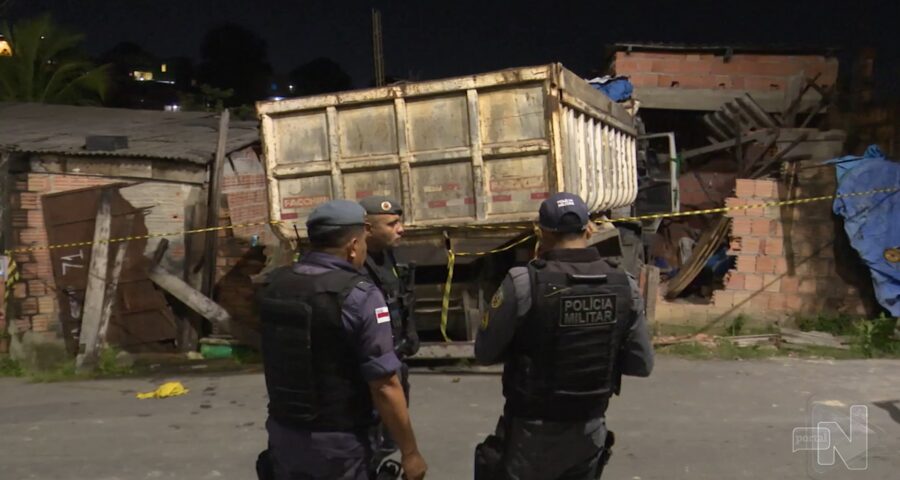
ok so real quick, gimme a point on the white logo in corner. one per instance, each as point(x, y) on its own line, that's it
point(382, 315)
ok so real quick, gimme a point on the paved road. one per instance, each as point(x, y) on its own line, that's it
point(691, 420)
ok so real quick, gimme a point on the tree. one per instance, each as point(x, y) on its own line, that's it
point(48, 67)
point(235, 58)
point(321, 75)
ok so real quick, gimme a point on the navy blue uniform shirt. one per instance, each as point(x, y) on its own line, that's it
point(374, 347)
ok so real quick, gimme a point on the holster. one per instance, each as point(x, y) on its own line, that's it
point(605, 453)
point(389, 470)
point(264, 469)
point(489, 454)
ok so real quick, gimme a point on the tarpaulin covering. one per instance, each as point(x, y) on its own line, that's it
point(618, 89)
point(872, 222)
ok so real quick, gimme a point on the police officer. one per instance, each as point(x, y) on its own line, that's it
point(566, 326)
point(329, 359)
point(384, 230)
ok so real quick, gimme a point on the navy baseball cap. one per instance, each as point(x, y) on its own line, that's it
point(336, 213)
point(564, 212)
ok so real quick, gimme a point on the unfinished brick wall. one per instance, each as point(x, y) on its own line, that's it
point(786, 255)
point(244, 202)
point(711, 71)
point(34, 296)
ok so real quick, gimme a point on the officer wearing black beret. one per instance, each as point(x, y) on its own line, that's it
point(384, 225)
point(566, 327)
point(329, 358)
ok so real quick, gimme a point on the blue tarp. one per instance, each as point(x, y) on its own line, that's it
point(872, 222)
point(618, 89)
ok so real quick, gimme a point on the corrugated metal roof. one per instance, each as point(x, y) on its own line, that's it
point(61, 129)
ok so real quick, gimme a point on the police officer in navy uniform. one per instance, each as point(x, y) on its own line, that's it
point(384, 230)
point(566, 327)
point(329, 359)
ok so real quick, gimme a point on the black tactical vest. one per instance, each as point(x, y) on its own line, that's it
point(563, 361)
point(312, 372)
point(394, 289)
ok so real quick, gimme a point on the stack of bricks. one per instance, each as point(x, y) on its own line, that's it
point(766, 240)
point(34, 302)
point(710, 71)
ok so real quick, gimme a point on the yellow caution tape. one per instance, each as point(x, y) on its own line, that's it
point(456, 227)
point(169, 389)
point(445, 302)
point(451, 255)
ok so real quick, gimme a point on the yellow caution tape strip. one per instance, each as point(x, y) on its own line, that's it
point(13, 276)
point(779, 203)
point(451, 255)
point(460, 227)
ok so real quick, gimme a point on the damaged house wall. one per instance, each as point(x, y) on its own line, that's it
point(743, 118)
point(162, 171)
point(791, 261)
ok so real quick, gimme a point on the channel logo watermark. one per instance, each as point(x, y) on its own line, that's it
point(834, 434)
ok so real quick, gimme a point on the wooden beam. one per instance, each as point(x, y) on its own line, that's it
point(746, 167)
point(652, 292)
point(96, 284)
point(753, 109)
point(212, 217)
point(724, 145)
point(777, 158)
point(192, 298)
point(112, 288)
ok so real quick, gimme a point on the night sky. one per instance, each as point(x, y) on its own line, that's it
point(432, 38)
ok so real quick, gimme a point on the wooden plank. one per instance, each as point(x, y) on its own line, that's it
point(113, 286)
point(762, 154)
point(724, 145)
point(789, 116)
point(212, 217)
point(96, 284)
point(705, 248)
point(753, 108)
point(776, 158)
point(821, 339)
point(192, 298)
point(652, 290)
point(718, 132)
point(753, 340)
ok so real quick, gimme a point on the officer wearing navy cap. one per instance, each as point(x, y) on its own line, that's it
point(329, 359)
point(566, 327)
point(384, 230)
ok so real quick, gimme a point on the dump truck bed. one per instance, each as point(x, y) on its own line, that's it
point(479, 150)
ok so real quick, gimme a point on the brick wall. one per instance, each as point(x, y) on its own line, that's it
point(244, 201)
point(711, 71)
point(786, 262)
point(35, 295)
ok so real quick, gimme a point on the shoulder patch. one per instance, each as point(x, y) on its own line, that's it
point(382, 315)
point(485, 320)
point(497, 299)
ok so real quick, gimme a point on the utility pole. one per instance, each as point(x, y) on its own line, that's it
point(377, 48)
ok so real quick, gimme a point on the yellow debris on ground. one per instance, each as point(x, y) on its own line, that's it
point(169, 389)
